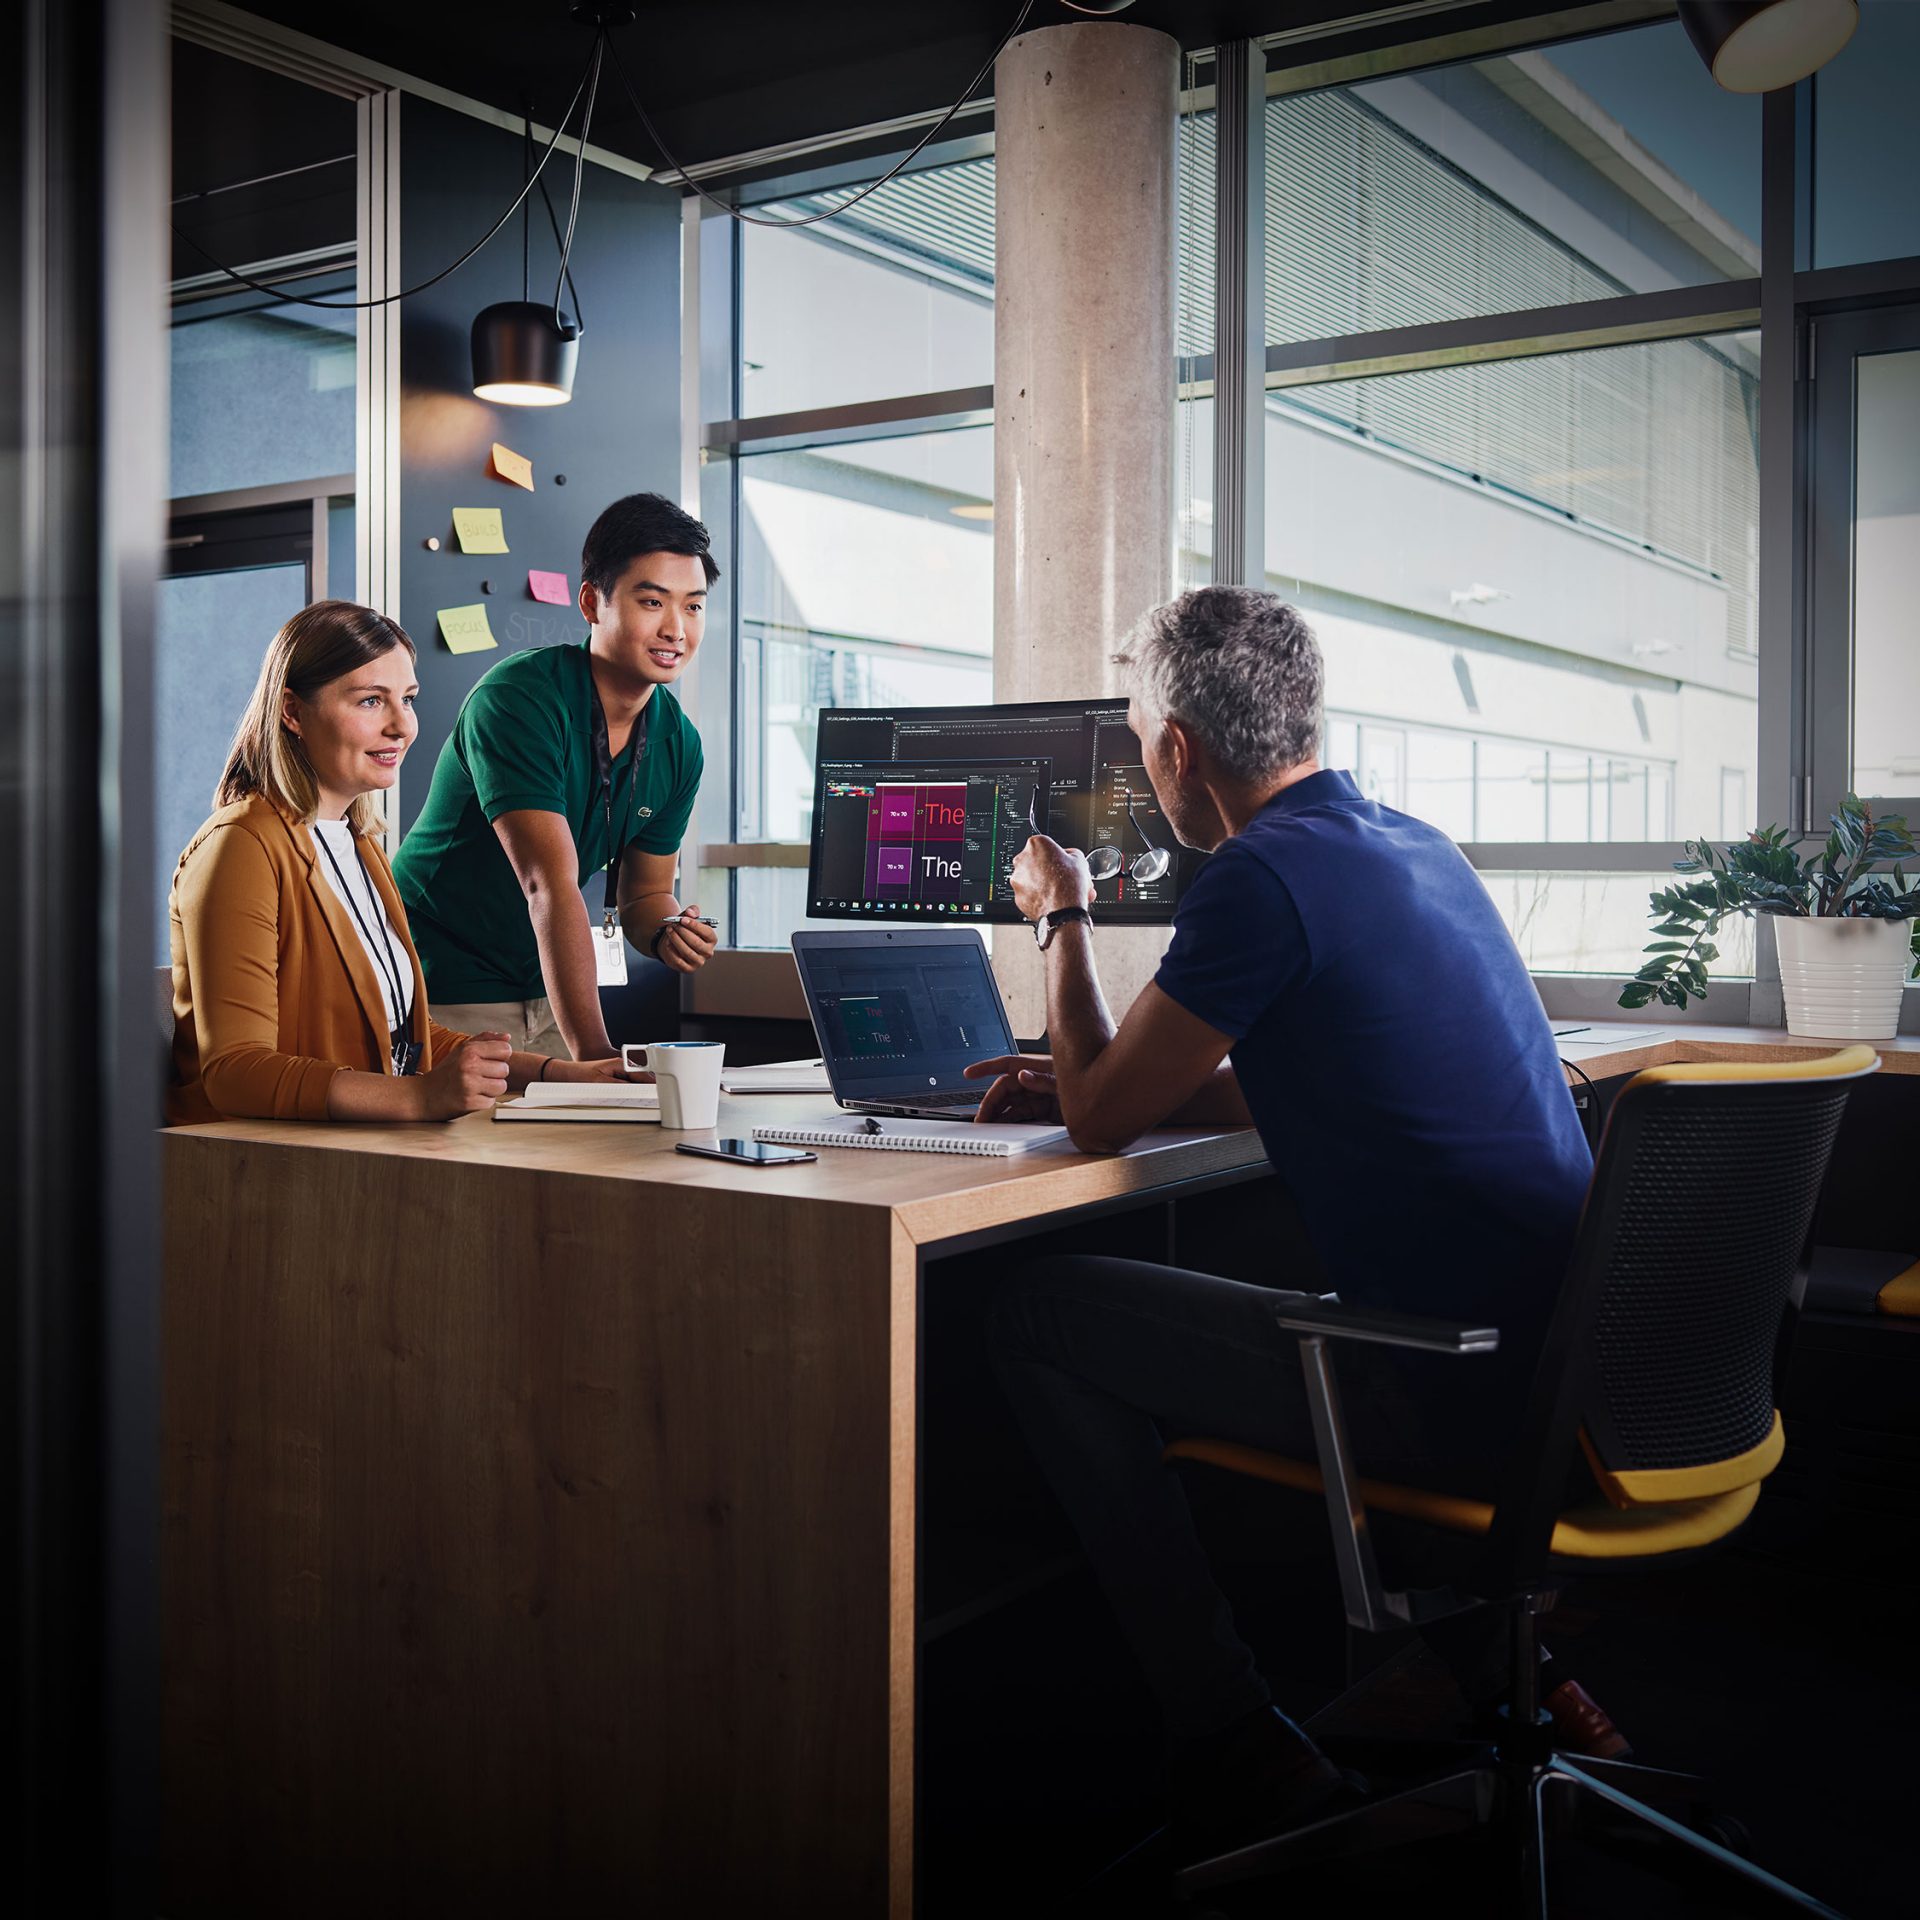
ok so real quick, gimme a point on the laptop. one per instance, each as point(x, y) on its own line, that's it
point(899, 1013)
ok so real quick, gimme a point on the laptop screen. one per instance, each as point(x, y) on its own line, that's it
point(903, 1012)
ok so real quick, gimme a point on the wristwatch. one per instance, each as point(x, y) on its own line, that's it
point(1044, 926)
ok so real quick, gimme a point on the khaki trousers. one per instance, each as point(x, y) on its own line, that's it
point(528, 1024)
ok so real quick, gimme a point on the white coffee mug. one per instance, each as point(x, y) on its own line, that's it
point(687, 1073)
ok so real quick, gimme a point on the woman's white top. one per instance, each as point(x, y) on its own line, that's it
point(367, 911)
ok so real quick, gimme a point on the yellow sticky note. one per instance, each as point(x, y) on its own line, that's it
point(465, 629)
point(508, 465)
point(479, 530)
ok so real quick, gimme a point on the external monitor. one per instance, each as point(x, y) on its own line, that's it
point(918, 812)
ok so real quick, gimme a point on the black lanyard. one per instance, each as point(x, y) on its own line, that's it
point(603, 770)
point(405, 1053)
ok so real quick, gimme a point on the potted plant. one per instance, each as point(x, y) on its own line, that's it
point(1846, 935)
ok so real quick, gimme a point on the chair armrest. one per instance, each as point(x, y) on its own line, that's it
point(1388, 1329)
point(1369, 1605)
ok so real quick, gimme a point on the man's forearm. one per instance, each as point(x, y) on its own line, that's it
point(641, 917)
point(1079, 1026)
point(565, 941)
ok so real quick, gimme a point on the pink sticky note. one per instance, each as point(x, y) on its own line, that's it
point(550, 587)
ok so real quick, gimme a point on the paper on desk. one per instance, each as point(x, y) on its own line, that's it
point(781, 1076)
point(1607, 1037)
point(466, 629)
point(550, 587)
point(479, 530)
point(513, 467)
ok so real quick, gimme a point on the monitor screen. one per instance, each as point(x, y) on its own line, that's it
point(918, 812)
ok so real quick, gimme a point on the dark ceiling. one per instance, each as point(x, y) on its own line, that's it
point(721, 77)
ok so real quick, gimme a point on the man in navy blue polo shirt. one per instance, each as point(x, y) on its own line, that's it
point(1339, 977)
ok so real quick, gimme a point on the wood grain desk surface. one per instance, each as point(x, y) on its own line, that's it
point(1592, 1045)
point(932, 1196)
point(938, 1196)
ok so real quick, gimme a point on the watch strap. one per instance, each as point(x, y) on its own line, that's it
point(1059, 917)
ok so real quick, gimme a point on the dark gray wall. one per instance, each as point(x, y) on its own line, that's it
point(620, 433)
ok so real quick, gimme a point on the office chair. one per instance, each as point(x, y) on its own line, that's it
point(1658, 1366)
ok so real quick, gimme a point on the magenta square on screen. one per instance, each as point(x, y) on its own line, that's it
point(896, 810)
point(894, 867)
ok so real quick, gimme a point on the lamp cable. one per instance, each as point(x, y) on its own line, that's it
point(873, 186)
point(407, 293)
point(589, 85)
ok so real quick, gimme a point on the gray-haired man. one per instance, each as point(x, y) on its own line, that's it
point(1339, 978)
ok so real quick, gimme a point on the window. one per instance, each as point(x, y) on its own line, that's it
point(263, 409)
point(1575, 172)
point(865, 579)
point(261, 393)
point(1886, 584)
point(894, 297)
point(1866, 136)
point(1564, 614)
point(1534, 576)
point(1533, 558)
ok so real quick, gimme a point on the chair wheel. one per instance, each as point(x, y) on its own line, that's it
point(1724, 1830)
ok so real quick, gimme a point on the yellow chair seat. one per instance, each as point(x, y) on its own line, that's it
point(1596, 1532)
point(1901, 1294)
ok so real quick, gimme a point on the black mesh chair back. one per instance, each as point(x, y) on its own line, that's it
point(1661, 1354)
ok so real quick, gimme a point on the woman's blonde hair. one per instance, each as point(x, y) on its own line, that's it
point(320, 644)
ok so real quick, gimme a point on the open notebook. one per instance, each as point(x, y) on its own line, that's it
point(600, 1100)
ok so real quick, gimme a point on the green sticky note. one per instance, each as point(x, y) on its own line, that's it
point(465, 629)
point(479, 530)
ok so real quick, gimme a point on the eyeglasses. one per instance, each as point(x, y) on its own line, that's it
point(1104, 862)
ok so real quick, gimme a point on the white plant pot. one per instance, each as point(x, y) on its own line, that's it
point(1842, 978)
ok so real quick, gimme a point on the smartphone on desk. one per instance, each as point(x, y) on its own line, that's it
point(749, 1153)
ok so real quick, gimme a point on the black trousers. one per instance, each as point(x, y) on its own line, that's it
point(1105, 1360)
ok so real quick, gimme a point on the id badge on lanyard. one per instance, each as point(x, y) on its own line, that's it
point(610, 953)
point(609, 943)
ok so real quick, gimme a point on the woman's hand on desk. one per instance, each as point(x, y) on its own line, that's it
point(1024, 1088)
point(468, 1079)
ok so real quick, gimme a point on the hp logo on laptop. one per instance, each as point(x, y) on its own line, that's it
point(933, 1079)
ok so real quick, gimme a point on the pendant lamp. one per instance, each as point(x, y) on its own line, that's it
point(521, 358)
point(1754, 46)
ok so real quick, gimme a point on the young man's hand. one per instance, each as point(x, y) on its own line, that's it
point(601, 1070)
point(684, 944)
point(1048, 876)
point(1025, 1088)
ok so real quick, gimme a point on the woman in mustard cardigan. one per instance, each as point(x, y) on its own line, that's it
point(296, 992)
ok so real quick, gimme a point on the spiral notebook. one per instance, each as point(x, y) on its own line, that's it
point(915, 1136)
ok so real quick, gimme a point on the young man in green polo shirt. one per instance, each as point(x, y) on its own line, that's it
point(568, 764)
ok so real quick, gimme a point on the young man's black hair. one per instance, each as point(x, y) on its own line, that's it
point(641, 523)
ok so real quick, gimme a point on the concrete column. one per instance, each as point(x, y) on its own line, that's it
point(1083, 384)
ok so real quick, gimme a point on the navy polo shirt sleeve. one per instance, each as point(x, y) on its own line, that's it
point(1238, 943)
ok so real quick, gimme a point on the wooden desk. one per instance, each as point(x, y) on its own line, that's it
point(540, 1510)
point(541, 1505)
point(1599, 1047)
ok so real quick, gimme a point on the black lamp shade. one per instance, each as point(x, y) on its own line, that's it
point(520, 358)
point(1754, 46)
